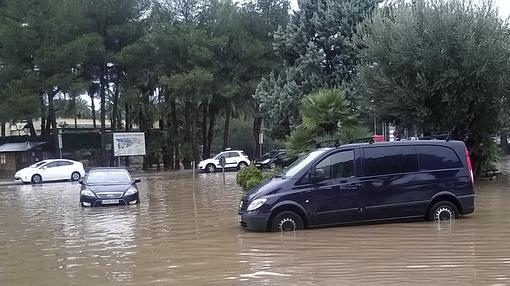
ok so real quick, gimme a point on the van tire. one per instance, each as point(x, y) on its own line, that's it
point(443, 210)
point(286, 221)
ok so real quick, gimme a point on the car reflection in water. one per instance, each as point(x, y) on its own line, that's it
point(108, 186)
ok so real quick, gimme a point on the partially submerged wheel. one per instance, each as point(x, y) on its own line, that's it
point(443, 210)
point(36, 179)
point(286, 221)
point(210, 168)
point(272, 165)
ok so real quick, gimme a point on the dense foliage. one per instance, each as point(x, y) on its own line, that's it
point(178, 63)
point(437, 66)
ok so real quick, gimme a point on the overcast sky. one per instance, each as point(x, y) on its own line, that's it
point(503, 6)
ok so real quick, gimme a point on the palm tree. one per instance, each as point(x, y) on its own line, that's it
point(326, 116)
point(326, 111)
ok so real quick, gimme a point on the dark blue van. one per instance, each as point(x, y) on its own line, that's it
point(362, 183)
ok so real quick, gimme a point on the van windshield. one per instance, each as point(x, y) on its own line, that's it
point(302, 162)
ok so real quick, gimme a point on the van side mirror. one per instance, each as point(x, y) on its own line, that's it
point(138, 180)
point(317, 175)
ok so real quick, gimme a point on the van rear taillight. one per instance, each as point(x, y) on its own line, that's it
point(470, 169)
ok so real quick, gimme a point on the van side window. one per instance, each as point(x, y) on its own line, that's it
point(437, 157)
point(390, 160)
point(338, 165)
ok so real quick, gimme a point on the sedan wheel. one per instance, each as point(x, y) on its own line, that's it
point(36, 179)
point(75, 176)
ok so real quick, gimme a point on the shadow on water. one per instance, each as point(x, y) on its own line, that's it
point(185, 232)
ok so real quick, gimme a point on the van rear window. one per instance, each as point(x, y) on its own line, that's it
point(437, 157)
point(390, 160)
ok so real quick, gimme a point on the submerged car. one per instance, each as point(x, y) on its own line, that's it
point(274, 159)
point(109, 186)
point(234, 159)
point(364, 182)
point(51, 170)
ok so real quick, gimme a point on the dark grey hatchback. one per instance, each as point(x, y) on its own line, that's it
point(108, 186)
point(364, 182)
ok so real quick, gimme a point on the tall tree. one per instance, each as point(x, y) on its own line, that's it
point(317, 49)
point(437, 67)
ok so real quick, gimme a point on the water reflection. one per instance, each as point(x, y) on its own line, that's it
point(186, 233)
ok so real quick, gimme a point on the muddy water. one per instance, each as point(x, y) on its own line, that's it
point(180, 235)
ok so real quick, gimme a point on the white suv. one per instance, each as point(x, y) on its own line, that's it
point(233, 158)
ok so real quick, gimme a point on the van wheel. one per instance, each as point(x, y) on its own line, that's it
point(210, 168)
point(443, 210)
point(286, 221)
point(36, 179)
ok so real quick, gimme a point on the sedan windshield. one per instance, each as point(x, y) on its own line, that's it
point(38, 164)
point(108, 177)
point(302, 162)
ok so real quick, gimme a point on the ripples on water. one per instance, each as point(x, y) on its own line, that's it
point(185, 235)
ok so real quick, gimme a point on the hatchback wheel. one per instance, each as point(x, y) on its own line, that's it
point(75, 176)
point(443, 210)
point(286, 221)
point(36, 179)
point(242, 165)
point(210, 168)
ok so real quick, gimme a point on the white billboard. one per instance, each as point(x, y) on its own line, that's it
point(129, 144)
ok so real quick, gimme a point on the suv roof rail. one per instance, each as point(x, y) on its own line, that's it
point(336, 143)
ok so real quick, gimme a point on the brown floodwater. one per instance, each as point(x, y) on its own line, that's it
point(186, 233)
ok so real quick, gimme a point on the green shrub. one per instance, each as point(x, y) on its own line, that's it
point(249, 177)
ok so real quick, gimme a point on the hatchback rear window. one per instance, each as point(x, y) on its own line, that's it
point(390, 160)
point(437, 158)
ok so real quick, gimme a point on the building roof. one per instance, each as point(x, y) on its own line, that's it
point(19, 147)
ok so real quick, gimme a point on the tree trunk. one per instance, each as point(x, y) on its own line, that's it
point(194, 147)
point(204, 131)
point(75, 121)
point(93, 109)
point(175, 133)
point(127, 129)
point(227, 125)
point(188, 139)
point(210, 133)
point(30, 124)
point(3, 129)
point(504, 143)
point(43, 117)
point(115, 107)
point(53, 120)
point(102, 95)
point(257, 124)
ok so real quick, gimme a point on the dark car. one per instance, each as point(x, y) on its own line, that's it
point(108, 186)
point(273, 159)
point(364, 182)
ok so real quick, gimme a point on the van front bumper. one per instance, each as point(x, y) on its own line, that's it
point(253, 221)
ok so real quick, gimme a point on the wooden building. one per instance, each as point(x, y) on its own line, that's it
point(16, 156)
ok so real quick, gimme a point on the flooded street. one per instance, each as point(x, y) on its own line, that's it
point(185, 235)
